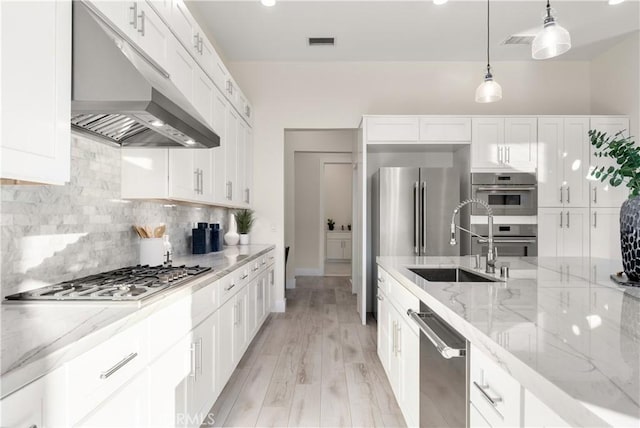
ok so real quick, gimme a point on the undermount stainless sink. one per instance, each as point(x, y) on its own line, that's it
point(450, 275)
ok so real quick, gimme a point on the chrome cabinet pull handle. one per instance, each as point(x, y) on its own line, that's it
point(245, 276)
point(200, 45)
point(483, 389)
point(568, 220)
point(380, 298)
point(141, 29)
point(595, 195)
point(134, 10)
point(381, 279)
point(507, 189)
point(229, 287)
point(595, 219)
point(561, 194)
point(561, 225)
point(508, 154)
point(192, 360)
point(568, 194)
point(118, 366)
point(416, 219)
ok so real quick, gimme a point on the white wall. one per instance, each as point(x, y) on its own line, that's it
point(615, 82)
point(310, 95)
point(338, 179)
point(307, 253)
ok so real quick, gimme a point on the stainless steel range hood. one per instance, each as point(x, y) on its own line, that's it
point(123, 96)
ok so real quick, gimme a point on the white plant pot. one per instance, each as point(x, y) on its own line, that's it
point(244, 239)
point(232, 237)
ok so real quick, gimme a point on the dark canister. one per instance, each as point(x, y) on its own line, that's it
point(201, 239)
point(217, 235)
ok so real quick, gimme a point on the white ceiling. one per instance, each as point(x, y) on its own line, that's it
point(403, 30)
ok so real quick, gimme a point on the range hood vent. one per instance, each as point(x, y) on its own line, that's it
point(519, 39)
point(322, 41)
point(122, 96)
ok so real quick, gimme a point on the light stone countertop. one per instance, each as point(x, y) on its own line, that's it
point(559, 326)
point(38, 337)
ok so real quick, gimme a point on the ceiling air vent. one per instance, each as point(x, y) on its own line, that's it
point(519, 39)
point(322, 41)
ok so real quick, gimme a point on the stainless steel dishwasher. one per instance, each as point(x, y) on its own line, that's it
point(444, 400)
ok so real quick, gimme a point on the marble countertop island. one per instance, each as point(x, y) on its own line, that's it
point(559, 326)
point(38, 337)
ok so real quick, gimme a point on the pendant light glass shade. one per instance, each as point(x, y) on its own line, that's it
point(268, 3)
point(489, 91)
point(614, 2)
point(552, 40)
point(439, 2)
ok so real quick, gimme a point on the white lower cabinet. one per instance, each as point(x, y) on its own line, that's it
point(475, 418)
point(127, 407)
point(399, 350)
point(605, 233)
point(538, 415)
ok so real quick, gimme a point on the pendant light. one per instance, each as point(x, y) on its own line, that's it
point(489, 91)
point(268, 3)
point(552, 40)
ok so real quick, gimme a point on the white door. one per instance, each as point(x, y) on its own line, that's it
point(603, 194)
point(487, 145)
point(521, 139)
point(550, 225)
point(152, 35)
point(218, 154)
point(575, 235)
point(231, 155)
point(605, 233)
point(36, 91)
point(169, 383)
point(183, 176)
point(128, 407)
point(550, 161)
point(576, 162)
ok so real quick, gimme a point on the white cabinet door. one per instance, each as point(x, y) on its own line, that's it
point(183, 177)
point(261, 298)
point(550, 225)
point(334, 249)
point(152, 35)
point(227, 321)
point(203, 96)
point(605, 233)
point(271, 277)
point(241, 197)
point(204, 340)
point(128, 407)
point(408, 354)
point(249, 166)
point(384, 333)
point(169, 382)
point(182, 22)
point(487, 146)
point(392, 129)
point(36, 91)
point(203, 163)
point(240, 331)
point(576, 162)
point(252, 309)
point(521, 139)
point(476, 420)
point(182, 69)
point(445, 129)
point(550, 161)
point(537, 414)
point(231, 156)
point(603, 194)
point(219, 159)
point(575, 235)
point(346, 249)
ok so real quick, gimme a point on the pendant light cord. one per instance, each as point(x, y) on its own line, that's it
point(488, 20)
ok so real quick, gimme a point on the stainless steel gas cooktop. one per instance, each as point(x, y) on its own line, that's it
point(133, 283)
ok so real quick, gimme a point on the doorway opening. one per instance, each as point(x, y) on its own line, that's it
point(337, 190)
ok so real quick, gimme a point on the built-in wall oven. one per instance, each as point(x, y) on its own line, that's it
point(510, 194)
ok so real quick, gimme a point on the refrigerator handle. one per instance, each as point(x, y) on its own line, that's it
point(416, 219)
point(423, 210)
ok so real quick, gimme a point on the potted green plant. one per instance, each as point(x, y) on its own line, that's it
point(244, 219)
point(626, 172)
point(331, 224)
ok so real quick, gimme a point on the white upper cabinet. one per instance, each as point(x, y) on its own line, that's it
point(151, 34)
point(445, 129)
point(392, 129)
point(504, 143)
point(563, 155)
point(603, 194)
point(36, 91)
point(183, 69)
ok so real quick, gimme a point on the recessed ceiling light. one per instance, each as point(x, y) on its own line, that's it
point(614, 2)
point(157, 123)
point(439, 2)
point(268, 3)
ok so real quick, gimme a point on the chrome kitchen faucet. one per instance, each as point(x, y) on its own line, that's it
point(492, 254)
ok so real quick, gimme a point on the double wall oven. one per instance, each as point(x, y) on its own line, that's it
point(513, 197)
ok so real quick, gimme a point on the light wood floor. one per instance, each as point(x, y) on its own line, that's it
point(314, 365)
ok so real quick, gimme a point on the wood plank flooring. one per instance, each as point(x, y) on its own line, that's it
point(313, 366)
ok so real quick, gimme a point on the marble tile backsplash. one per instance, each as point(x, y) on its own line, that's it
point(56, 233)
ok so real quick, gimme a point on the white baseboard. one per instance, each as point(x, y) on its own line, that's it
point(280, 305)
point(309, 272)
point(291, 283)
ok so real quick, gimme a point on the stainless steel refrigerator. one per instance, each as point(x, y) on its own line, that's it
point(411, 212)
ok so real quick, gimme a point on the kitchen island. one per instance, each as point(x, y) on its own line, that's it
point(559, 326)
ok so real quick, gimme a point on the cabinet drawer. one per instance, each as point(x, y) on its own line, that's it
point(392, 129)
point(445, 129)
point(271, 258)
point(403, 300)
point(232, 283)
point(489, 382)
point(383, 280)
point(96, 374)
point(475, 418)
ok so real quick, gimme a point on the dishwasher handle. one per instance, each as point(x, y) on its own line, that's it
point(445, 350)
